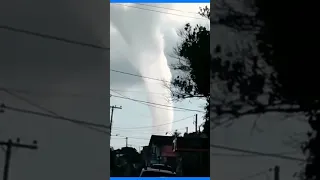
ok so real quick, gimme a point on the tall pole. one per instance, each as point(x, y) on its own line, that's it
point(9, 145)
point(126, 141)
point(276, 173)
point(111, 118)
point(196, 123)
point(187, 130)
point(7, 161)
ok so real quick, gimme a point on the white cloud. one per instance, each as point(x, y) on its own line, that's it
point(150, 37)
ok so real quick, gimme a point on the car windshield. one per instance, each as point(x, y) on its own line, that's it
point(156, 174)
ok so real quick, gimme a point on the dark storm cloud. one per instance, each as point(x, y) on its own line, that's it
point(66, 151)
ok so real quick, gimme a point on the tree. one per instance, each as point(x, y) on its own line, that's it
point(283, 74)
point(250, 82)
point(131, 154)
point(193, 58)
point(295, 68)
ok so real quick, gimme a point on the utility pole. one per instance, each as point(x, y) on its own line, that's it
point(276, 173)
point(187, 130)
point(196, 123)
point(111, 118)
point(9, 145)
point(126, 141)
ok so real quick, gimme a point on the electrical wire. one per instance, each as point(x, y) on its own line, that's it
point(152, 10)
point(25, 111)
point(37, 93)
point(51, 37)
point(143, 127)
point(143, 131)
point(136, 75)
point(47, 110)
point(64, 118)
point(51, 94)
point(247, 155)
point(279, 156)
point(140, 138)
point(136, 100)
point(149, 105)
point(171, 9)
point(142, 92)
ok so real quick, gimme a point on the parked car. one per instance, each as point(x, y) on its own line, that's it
point(150, 172)
point(162, 167)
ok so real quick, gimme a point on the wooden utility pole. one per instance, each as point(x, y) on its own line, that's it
point(111, 118)
point(196, 123)
point(276, 173)
point(187, 130)
point(126, 141)
point(9, 145)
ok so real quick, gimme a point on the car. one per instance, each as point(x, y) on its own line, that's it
point(150, 172)
point(162, 167)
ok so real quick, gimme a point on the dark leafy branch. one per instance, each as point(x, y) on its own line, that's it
point(270, 73)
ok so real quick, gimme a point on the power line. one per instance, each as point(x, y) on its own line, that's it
point(143, 131)
point(143, 92)
point(9, 145)
point(39, 93)
point(51, 37)
point(149, 105)
point(143, 127)
point(3, 106)
point(136, 100)
point(140, 138)
point(47, 110)
point(152, 10)
point(171, 9)
point(136, 75)
point(257, 153)
point(246, 155)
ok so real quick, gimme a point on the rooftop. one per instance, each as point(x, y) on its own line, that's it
point(161, 140)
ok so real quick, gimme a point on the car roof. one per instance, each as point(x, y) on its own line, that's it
point(157, 170)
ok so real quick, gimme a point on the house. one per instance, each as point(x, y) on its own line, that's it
point(192, 153)
point(160, 151)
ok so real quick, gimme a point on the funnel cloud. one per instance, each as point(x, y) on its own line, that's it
point(146, 53)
